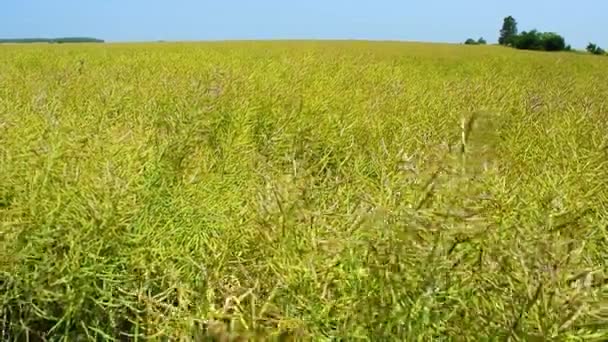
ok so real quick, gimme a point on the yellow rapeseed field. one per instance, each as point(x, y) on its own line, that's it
point(302, 191)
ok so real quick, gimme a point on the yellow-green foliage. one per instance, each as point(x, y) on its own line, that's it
point(304, 190)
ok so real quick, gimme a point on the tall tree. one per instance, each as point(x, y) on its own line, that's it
point(508, 31)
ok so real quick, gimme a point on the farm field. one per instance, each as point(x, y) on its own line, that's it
point(302, 190)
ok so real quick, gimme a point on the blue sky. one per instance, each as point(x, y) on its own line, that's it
point(579, 21)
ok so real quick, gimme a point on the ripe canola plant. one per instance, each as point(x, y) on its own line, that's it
point(302, 190)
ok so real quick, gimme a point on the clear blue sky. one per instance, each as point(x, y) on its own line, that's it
point(579, 21)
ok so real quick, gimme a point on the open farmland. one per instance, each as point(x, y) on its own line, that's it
point(302, 190)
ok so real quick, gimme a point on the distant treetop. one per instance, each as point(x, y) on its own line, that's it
point(472, 41)
point(595, 50)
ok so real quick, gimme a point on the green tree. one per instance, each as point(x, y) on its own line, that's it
point(544, 41)
point(508, 31)
point(472, 41)
point(595, 50)
point(530, 40)
point(553, 42)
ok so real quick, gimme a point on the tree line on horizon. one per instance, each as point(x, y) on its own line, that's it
point(60, 40)
point(532, 40)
